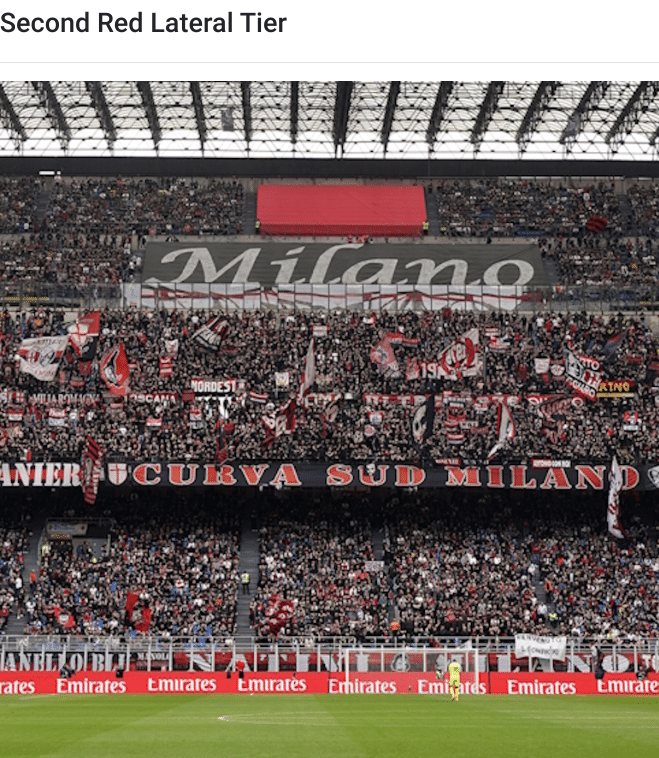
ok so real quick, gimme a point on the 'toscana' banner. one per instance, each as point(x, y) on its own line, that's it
point(50, 683)
point(546, 475)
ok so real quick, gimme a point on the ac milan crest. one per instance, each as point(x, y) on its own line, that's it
point(117, 472)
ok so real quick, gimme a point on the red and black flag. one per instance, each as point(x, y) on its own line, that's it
point(90, 469)
point(137, 614)
point(115, 371)
point(596, 224)
point(211, 335)
point(83, 335)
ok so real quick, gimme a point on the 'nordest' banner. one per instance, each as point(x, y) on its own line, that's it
point(199, 683)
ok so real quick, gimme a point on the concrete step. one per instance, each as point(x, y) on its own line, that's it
point(249, 562)
point(16, 625)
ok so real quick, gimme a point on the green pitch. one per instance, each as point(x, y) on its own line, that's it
point(327, 726)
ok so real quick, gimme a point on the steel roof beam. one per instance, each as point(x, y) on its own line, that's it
point(581, 114)
point(389, 111)
point(148, 103)
point(246, 90)
point(341, 113)
point(485, 114)
point(54, 111)
point(630, 115)
point(535, 112)
point(102, 111)
point(295, 110)
point(438, 111)
point(10, 119)
point(200, 116)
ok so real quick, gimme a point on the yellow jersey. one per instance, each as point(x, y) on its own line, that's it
point(454, 670)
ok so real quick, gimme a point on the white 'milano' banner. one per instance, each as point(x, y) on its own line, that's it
point(530, 646)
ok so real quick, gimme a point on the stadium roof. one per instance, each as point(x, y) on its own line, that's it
point(394, 120)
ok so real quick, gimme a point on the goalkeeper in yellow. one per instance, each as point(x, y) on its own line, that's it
point(453, 679)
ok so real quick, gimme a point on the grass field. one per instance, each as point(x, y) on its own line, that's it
point(325, 726)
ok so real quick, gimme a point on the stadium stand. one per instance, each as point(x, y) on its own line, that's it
point(453, 565)
point(520, 357)
point(162, 572)
point(13, 542)
point(124, 206)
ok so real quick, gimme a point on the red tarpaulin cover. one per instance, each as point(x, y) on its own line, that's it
point(341, 210)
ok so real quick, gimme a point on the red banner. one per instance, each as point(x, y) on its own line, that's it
point(144, 683)
point(539, 683)
point(194, 682)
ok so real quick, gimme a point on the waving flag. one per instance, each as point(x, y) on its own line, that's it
point(505, 429)
point(83, 335)
point(40, 356)
point(278, 613)
point(612, 345)
point(141, 619)
point(114, 370)
point(613, 512)
point(63, 618)
point(281, 423)
point(90, 469)
point(212, 333)
point(582, 374)
point(166, 369)
point(383, 355)
point(136, 615)
point(423, 420)
point(596, 224)
point(309, 374)
point(412, 370)
point(462, 357)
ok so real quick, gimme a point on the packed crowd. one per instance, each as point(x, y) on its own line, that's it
point(399, 565)
point(512, 208)
point(92, 221)
point(74, 264)
point(180, 569)
point(124, 206)
point(453, 576)
point(18, 198)
point(644, 201)
point(625, 263)
point(314, 575)
point(477, 566)
point(357, 408)
point(13, 544)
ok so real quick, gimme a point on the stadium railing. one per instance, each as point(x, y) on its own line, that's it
point(370, 297)
point(156, 653)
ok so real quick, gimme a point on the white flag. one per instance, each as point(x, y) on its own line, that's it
point(40, 356)
point(613, 512)
point(505, 429)
point(309, 374)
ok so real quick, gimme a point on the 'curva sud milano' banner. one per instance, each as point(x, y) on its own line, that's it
point(541, 475)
